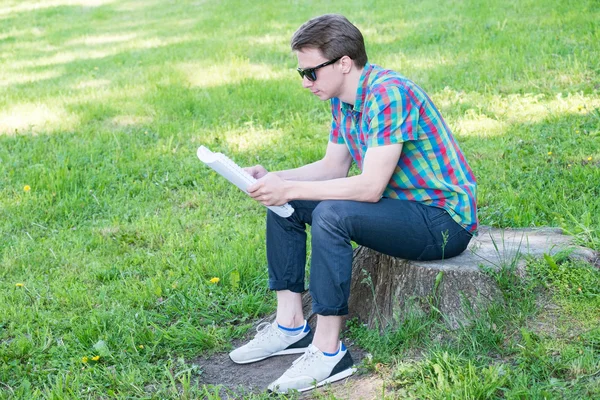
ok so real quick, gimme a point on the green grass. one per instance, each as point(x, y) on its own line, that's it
point(103, 104)
point(543, 342)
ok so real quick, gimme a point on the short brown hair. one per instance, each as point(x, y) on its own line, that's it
point(334, 36)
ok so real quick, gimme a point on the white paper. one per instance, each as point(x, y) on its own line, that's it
point(236, 175)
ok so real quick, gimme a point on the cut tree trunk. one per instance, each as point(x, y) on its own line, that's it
point(385, 288)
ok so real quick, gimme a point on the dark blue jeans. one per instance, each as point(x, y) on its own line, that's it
point(399, 228)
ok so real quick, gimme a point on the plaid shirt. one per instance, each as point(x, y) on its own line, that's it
point(432, 168)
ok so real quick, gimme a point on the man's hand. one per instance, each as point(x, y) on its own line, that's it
point(270, 190)
point(257, 171)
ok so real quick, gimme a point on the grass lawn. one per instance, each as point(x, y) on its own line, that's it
point(111, 230)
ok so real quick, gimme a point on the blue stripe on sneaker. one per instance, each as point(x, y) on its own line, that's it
point(290, 331)
point(333, 354)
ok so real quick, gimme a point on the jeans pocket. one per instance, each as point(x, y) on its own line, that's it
point(437, 217)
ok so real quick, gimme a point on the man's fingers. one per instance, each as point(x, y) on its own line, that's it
point(254, 187)
point(258, 195)
point(264, 199)
point(256, 171)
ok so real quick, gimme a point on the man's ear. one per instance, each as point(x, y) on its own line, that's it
point(347, 64)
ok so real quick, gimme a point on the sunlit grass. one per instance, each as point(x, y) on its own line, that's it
point(230, 72)
point(10, 6)
point(485, 114)
point(9, 79)
point(36, 118)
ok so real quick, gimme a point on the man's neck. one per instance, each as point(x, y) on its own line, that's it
point(348, 94)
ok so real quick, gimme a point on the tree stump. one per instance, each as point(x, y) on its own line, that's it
point(384, 287)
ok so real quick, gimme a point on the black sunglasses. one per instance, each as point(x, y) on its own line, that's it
point(311, 73)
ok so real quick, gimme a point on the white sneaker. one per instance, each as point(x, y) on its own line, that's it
point(271, 341)
point(315, 369)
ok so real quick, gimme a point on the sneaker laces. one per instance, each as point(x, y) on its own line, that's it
point(262, 330)
point(305, 360)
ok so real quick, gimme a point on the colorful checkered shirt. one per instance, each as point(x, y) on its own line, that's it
point(432, 168)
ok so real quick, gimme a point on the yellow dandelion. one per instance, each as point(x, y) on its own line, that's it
point(19, 284)
point(141, 346)
point(576, 131)
point(214, 280)
point(549, 153)
point(27, 188)
point(84, 359)
point(96, 358)
point(569, 165)
point(589, 158)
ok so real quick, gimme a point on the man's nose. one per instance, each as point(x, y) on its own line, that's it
point(306, 83)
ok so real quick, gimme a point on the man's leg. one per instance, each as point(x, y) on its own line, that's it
point(398, 228)
point(289, 309)
point(327, 333)
point(286, 256)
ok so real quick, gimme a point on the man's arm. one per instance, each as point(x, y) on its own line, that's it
point(378, 166)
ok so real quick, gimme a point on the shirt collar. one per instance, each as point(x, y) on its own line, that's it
point(361, 91)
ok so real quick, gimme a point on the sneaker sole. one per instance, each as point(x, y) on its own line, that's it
point(279, 353)
point(334, 378)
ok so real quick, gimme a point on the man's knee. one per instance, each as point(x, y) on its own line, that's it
point(330, 213)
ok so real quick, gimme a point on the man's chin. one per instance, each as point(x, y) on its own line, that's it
point(322, 96)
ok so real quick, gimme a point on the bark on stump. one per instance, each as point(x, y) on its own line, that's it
point(384, 288)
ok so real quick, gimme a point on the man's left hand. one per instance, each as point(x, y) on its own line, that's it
point(269, 190)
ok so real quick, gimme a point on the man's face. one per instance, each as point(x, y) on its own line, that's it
point(329, 78)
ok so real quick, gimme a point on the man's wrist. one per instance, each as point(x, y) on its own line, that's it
point(290, 190)
point(280, 174)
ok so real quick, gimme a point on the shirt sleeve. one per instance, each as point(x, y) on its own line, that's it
point(393, 116)
point(335, 135)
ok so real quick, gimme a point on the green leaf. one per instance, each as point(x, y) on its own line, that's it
point(551, 262)
point(102, 348)
point(234, 279)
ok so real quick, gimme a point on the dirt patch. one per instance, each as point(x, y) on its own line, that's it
point(358, 387)
point(239, 380)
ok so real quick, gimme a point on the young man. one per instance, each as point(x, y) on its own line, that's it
point(414, 198)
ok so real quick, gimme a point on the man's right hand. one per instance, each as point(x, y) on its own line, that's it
point(257, 171)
